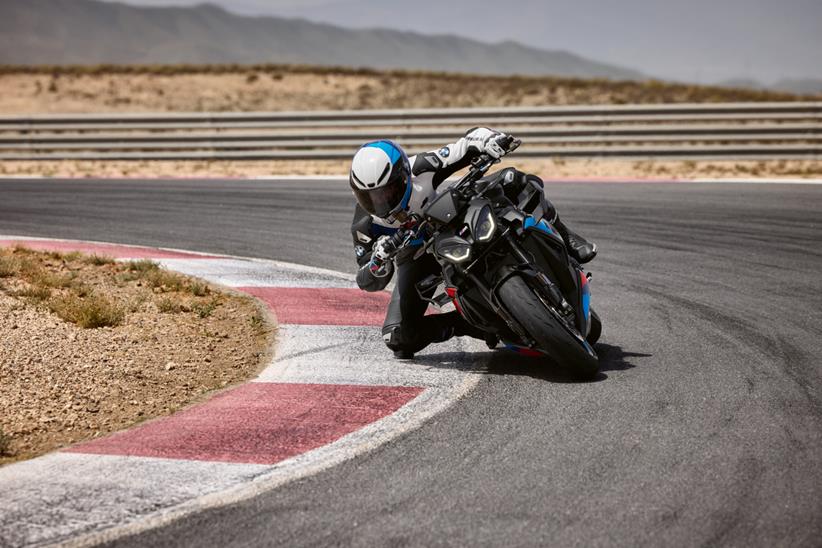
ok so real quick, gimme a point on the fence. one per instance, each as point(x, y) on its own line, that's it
point(687, 131)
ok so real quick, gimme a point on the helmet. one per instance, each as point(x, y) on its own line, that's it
point(380, 178)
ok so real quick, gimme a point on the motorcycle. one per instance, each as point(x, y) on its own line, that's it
point(505, 267)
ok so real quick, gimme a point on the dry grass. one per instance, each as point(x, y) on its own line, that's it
point(73, 302)
point(163, 280)
point(46, 282)
point(8, 267)
point(142, 266)
point(36, 294)
point(98, 260)
point(198, 289)
point(89, 312)
point(204, 310)
point(43, 278)
point(167, 305)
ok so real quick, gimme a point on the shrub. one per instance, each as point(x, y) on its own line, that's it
point(43, 278)
point(87, 312)
point(198, 289)
point(98, 260)
point(164, 280)
point(169, 306)
point(36, 293)
point(204, 310)
point(155, 276)
point(143, 265)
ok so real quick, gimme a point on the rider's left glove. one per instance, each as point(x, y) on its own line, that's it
point(492, 147)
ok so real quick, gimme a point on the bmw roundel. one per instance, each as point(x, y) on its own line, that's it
point(444, 152)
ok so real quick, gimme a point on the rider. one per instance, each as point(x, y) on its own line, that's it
point(389, 187)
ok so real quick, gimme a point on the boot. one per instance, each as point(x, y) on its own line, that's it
point(578, 247)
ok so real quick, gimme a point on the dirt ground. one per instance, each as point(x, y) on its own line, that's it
point(89, 346)
point(550, 168)
point(272, 88)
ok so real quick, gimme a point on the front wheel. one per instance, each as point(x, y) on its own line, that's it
point(596, 328)
point(551, 337)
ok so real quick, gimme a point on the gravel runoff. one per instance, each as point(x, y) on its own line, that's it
point(62, 384)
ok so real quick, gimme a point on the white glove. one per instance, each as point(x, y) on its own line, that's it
point(485, 140)
point(382, 250)
point(492, 147)
point(381, 256)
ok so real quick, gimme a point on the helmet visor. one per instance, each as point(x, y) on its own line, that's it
point(381, 201)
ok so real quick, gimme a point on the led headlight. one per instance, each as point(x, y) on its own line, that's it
point(486, 225)
point(457, 253)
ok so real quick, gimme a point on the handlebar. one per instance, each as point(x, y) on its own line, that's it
point(398, 238)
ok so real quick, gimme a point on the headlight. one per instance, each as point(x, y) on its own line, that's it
point(486, 225)
point(457, 253)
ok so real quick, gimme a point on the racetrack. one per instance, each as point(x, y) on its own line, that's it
point(705, 429)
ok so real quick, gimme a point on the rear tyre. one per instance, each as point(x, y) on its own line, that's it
point(529, 310)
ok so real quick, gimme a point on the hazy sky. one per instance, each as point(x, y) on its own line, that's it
point(693, 40)
point(251, 7)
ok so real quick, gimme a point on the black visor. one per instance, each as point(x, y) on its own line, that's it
point(381, 201)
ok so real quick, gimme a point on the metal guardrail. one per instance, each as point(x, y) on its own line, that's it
point(733, 130)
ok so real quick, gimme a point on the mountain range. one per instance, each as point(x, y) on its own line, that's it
point(94, 32)
point(700, 41)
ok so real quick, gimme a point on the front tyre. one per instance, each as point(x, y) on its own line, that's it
point(596, 328)
point(551, 337)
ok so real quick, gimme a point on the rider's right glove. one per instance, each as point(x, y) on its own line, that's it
point(381, 254)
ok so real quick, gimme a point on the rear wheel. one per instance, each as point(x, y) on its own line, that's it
point(552, 337)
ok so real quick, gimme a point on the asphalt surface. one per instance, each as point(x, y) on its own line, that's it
point(705, 427)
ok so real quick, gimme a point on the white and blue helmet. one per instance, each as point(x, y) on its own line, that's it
point(380, 178)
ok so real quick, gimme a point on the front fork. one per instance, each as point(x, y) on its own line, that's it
point(524, 268)
point(552, 291)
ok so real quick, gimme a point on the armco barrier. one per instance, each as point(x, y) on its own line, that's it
point(732, 130)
